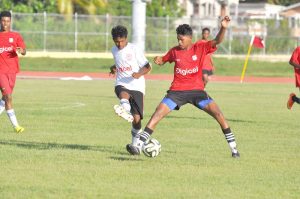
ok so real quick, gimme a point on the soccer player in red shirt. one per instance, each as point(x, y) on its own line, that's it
point(188, 85)
point(11, 43)
point(295, 62)
point(208, 66)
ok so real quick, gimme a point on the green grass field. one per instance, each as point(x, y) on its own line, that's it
point(74, 145)
point(227, 67)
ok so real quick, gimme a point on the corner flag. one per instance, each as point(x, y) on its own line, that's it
point(256, 42)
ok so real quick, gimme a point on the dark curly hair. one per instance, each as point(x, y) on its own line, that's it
point(205, 29)
point(184, 29)
point(119, 31)
point(5, 14)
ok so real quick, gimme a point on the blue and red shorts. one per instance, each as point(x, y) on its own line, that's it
point(176, 99)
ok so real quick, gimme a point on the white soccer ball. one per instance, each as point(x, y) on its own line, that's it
point(151, 148)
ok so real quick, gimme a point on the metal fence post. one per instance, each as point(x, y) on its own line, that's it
point(76, 32)
point(45, 31)
point(106, 32)
point(167, 33)
point(12, 20)
point(230, 40)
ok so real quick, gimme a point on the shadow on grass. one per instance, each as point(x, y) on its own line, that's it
point(121, 158)
point(201, 118)
point(48, 146)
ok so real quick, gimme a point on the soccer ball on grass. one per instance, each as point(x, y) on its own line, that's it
point(151, 148)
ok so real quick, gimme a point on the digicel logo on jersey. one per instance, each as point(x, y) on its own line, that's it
point(187, 71)
point(6, 49)
point(124, 68)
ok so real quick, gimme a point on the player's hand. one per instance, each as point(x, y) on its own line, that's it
point(136, 75)
point(225, 22)
point(20, 50)
point(158, 60)
point(113, 70)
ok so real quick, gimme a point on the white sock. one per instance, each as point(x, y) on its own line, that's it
point(135, 136)
point(12, 117)
point(232, 146)
point(125, 104)
point(2, 106)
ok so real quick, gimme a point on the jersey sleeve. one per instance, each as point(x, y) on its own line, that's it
point(295, 56)
point(20, 42)
point(209, 48)
point(140, 57)
point(169, 56)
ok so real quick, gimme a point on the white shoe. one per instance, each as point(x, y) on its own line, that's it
point(2, 109)
point(120, 111)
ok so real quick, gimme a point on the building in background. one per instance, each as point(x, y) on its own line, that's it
point(292, 12)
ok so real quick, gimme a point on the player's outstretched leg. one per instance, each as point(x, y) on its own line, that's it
point(213, 110)
point(13, 119)
point(161, 111)
point(292, 99)
point(11, 114)
point(123, 110)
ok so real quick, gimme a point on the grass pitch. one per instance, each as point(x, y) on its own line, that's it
point(225, 67)
point(74, 145)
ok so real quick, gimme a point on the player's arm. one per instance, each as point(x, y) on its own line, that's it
point(220, 36)
point(295, 65)
point(143, 71)
point(113, 70)
point(159, 60)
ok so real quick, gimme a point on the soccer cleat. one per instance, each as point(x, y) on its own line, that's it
point(19, 129)
point(120, 111)
point(133, 150)
point(235, 154)
point(290, 101)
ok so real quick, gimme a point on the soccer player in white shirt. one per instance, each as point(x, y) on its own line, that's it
point(130, 67)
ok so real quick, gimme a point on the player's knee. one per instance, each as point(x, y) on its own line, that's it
point(7, 98)
point(137, 124)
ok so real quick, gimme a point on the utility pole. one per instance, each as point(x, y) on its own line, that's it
point(139, 23)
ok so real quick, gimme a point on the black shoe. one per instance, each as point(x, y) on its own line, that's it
point(133, 150)
point(236, 155)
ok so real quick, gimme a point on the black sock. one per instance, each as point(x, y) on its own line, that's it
point(228, 135)
point(296, 99)
point(146, 134)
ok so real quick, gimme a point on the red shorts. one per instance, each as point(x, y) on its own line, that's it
point(7, 83)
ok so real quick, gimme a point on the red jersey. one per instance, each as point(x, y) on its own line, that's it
point(9, 41)
point(207, 63)
point(296, 59)
point(188, 65)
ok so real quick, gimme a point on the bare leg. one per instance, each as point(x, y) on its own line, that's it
point(213, 110)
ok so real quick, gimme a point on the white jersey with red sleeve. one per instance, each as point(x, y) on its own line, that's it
point(128, 60)
point(188, 65)
point(9, 62)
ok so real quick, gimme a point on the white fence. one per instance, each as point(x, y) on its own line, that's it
point(91, 33)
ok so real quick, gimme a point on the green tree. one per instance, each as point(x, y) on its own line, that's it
point(159, 8)
point(283, 2)
point(80, 6)
point(29, 6)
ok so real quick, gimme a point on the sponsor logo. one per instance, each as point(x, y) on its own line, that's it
point(124, 68)
point(187, 71)
point(129, 57)
point(11, 40)
point(194, 57)
point(6, 49)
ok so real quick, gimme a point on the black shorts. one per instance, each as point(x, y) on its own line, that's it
point(207, 72)
point(176, 99)
point(136, 100)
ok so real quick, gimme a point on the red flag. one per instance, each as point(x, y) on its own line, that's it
point(258, 42)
